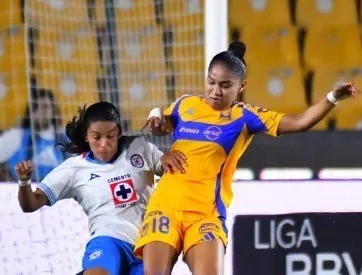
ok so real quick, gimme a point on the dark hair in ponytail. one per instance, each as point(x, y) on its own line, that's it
point(77, 128)
point(233, 59)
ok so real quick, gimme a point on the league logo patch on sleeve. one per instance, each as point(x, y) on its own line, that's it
point(137, 161)
point(124, 193)
point(95, 254)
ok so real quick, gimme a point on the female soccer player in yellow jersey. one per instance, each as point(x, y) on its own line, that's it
point(187, 211)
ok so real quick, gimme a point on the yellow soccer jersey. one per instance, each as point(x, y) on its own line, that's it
point(212, 141)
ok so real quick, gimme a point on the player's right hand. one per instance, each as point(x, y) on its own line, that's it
point(174, 160)
point(151, 123)
point(24, 170)
point(154, 124)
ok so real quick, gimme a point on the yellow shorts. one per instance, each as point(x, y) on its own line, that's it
point(178, 228)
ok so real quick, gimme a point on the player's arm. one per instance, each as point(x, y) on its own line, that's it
point(29, 200)
point(157, 123)
point(311, 116)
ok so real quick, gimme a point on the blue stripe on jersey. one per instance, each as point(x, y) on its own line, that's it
point(220, 206)
point(48, 192)
point(175, 114)
point(224, 135)
point(253, 122)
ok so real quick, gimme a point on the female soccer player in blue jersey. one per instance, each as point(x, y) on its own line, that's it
point(111, 177)
point(187, 211)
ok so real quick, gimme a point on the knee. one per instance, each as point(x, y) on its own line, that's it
point(207, 268)
point(156, 270)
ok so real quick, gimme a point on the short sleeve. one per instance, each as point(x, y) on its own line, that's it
point(172, 112)
point(57, 185)
point(262, 120)
point(168, 111)
point(154, 155)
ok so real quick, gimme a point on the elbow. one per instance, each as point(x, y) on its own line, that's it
point(27, 208)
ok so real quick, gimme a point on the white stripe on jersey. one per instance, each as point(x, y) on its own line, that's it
point(114, 196)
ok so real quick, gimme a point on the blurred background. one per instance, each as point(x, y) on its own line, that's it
point(58, 55)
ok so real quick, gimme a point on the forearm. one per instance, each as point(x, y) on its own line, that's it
point(307, 119)
point(314, 114)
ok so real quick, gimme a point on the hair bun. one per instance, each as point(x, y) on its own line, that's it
point(238, 49)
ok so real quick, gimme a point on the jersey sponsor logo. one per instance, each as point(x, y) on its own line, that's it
point(93, 176)
point(208, 227)
point(212, 132)
point(119, 178)
point(137, 161)
point(189, 130)
point(123, 193)
point(95, 254)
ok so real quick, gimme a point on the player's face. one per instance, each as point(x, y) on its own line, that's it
point(222, 87)
point(102, 137)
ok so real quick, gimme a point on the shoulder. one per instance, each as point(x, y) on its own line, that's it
point(72, 161)
point(140, 146)
point(132, 141)
point(188, 101)
point(253, 108)
point(133, 144)
point(188, 97)
point(141, 142)
point(184, 96)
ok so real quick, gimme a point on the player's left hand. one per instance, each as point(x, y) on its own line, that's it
point(24, 169)
point(174, 161)
point(345, 91)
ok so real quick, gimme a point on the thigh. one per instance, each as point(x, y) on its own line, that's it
point(159, 226)
point(102, 254)
point(160, 241)
point(202, 228)
point(206, 257)
point(134, 265)
point(159, 258)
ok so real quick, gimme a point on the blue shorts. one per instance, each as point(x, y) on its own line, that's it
point(113, 255)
